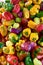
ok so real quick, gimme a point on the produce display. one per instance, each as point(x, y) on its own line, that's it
point(21, 32)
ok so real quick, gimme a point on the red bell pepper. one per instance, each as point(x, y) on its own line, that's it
point(13, 60)
point(8, 16)
point(39, 28)
point(16, 9)
point(15, 1)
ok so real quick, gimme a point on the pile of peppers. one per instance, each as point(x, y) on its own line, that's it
point(21, 32)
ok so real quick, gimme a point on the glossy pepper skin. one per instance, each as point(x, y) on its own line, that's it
point(39, 28)
point(28, 61)
point(7, 15)
point(13, 60)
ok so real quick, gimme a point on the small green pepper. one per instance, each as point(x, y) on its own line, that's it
point(18, 20)
point(8, 6)
point(28, 60)
point(19, 35)
point(29, 7)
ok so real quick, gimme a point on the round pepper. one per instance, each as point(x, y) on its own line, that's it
point(8, 50)
point(12, 59)
point(8, 7)
point(37, 1)
point(13, 37)
point(28, 60)
point(31, 24)
point(26, 32)
point(34, 37)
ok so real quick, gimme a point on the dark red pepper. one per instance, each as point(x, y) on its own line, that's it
point(8, 16)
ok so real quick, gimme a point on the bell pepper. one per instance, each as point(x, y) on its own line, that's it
point(41, 19)
point(41, 41)
point(18, 20)
point(7, 15)
point(9, 43)
point(39, 28)
point(2, 10)
point(34, 37)
point(28, 3)
point(1, 46)
point(26, 13)
point(8, 6)
point(26, 32)
point(16, 25)
point(14, 2)
point(7, 1)
point(13, 60)
point(1, 3)
point(37, 20)
point(28, 60)
point(36, 61)
point(8, 23)
point(40, 14)
point(18, 45)
point(8, 50)
point(31, 24)
point(36, 2)
point(21, 55)
point(34, 10)
point(3, 30)
point(13, 37)
point(3, 60)
point(16, 9)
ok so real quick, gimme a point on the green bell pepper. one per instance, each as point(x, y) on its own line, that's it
point(1, 3)
point(8, 6)
point(40, 14)
point(28, 60)
point(41, 41)
point(7, 1)
point(1, 44)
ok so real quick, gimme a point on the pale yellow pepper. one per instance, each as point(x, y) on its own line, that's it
point(34, 37)
point(26, 13)
point(3, 30)
point(9, 50)
point(27, 32)
point(35, 9)
point(31, 24)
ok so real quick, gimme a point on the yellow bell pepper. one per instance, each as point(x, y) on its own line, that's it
point(26, 32)
point(26, 13)
point(34, 37)
point(3, 60)
point(41, 19)
point(34, 10)
point(2, 10)
point(19, 44)
point(28, 3)
point(9, 50)
point(21, 4)
point(7, 23)
point(31, 24)
point(37, 2)
point(3, 30)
